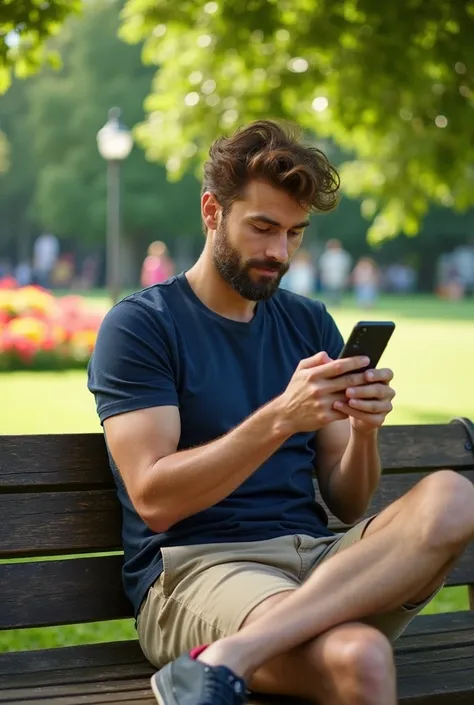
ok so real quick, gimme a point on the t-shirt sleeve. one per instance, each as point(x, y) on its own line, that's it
point(332, 340)
point(131, 367)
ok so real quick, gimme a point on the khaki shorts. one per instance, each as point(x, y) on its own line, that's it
point(206, 591)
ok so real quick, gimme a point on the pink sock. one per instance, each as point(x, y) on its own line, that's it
point(197, 651)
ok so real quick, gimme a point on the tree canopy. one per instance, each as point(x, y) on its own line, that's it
point(25, 25)
point(392, 83)
point(57, 179)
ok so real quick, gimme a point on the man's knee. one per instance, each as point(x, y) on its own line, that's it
point(445, 509)
point(359, 663)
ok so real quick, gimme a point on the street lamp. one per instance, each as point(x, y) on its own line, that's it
point(114, 142)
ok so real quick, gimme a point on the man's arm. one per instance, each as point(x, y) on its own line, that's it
point(166, 485)
point(348, 469)
point(348, 462)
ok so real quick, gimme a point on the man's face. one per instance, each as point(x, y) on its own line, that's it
point(253, 245)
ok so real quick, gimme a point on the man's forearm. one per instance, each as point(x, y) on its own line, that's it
point(355, 479)
point(187, 482)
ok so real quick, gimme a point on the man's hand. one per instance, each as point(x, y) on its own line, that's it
point(368, 404)
point(310, 400)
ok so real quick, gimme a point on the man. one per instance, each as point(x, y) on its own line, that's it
point(334, 266)
point(219, 393)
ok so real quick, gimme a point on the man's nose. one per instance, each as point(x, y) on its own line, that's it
point(277, 248)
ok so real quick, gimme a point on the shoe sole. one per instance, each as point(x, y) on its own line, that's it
point(157, 693)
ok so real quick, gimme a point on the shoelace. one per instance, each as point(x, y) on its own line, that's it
point(223, 688)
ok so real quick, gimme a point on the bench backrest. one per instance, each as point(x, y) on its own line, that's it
point(58, 503)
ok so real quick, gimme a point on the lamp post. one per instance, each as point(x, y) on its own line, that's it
point(114, 142)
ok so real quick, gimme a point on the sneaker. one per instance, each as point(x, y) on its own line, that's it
point(187, 681)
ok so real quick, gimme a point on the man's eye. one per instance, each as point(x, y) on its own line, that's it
point(295, 233)
point(261, 230)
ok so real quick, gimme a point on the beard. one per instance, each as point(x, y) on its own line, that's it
point(237, 273)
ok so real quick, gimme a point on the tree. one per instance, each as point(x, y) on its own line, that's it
point(52, 121)
point(3, 152)
point(392, 83)
point(25, 27)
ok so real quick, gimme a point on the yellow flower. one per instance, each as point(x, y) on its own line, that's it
point(28, 327)
point(82, 343)
point(29, 299)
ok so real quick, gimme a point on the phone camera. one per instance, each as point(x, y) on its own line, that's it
point(364, 330)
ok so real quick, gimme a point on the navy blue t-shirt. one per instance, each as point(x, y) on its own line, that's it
point(163, 346)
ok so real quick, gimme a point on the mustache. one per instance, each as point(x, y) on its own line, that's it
point(267, 264)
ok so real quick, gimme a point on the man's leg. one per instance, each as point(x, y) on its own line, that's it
point(407, 548)
point(351, 664)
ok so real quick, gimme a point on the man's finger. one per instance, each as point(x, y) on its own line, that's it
point(370, 419)
point(336, 368)
point(321, 358)
point(371, 406)
point(383, 375)
point(370, 391)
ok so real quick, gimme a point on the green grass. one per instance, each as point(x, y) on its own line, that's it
point(431, 354)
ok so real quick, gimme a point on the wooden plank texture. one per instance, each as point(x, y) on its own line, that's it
point(92, 692)
point(90, 520)
point(81, 459)
point(391, 488)
point(432, 447)
point(59, 522)
point(40, 663)
point(62, 592)
point(87, 674)
point(54, 460)
point(90, 589)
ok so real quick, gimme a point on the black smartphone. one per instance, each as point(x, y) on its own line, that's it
point(368, 338)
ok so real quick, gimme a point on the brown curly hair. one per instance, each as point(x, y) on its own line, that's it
point(273, 152)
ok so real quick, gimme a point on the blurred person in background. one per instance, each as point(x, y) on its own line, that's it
point(463, 262)
point(158, 265)
point(366, 280)
point(334, 268)
point(45, 256)
point(62, 274)
point(23, 273)
point(400, 278)
point(300, 278)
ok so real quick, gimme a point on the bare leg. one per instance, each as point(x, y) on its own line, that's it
point(431, 526)
point(351, 664)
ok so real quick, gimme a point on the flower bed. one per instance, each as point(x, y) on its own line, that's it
point(41, 331)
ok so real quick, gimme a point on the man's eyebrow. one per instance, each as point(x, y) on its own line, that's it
point(265, 219)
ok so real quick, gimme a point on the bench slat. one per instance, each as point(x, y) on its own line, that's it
point(391, 488)
point(112, 661)
point(52, 460)
point(59, 522)
point(41, 662)
point(90, 520)
point(431, 447)
point(454, 687)
point(37, 461)
point(62, 592)
point(439, 625)
point(426, 676)
point(137, 689)
point(90, 589)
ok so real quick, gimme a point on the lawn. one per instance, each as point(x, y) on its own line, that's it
point(431, 353)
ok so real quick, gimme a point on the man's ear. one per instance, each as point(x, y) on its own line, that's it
point(210, 209)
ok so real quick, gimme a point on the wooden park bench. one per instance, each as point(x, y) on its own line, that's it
point(57, 499)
